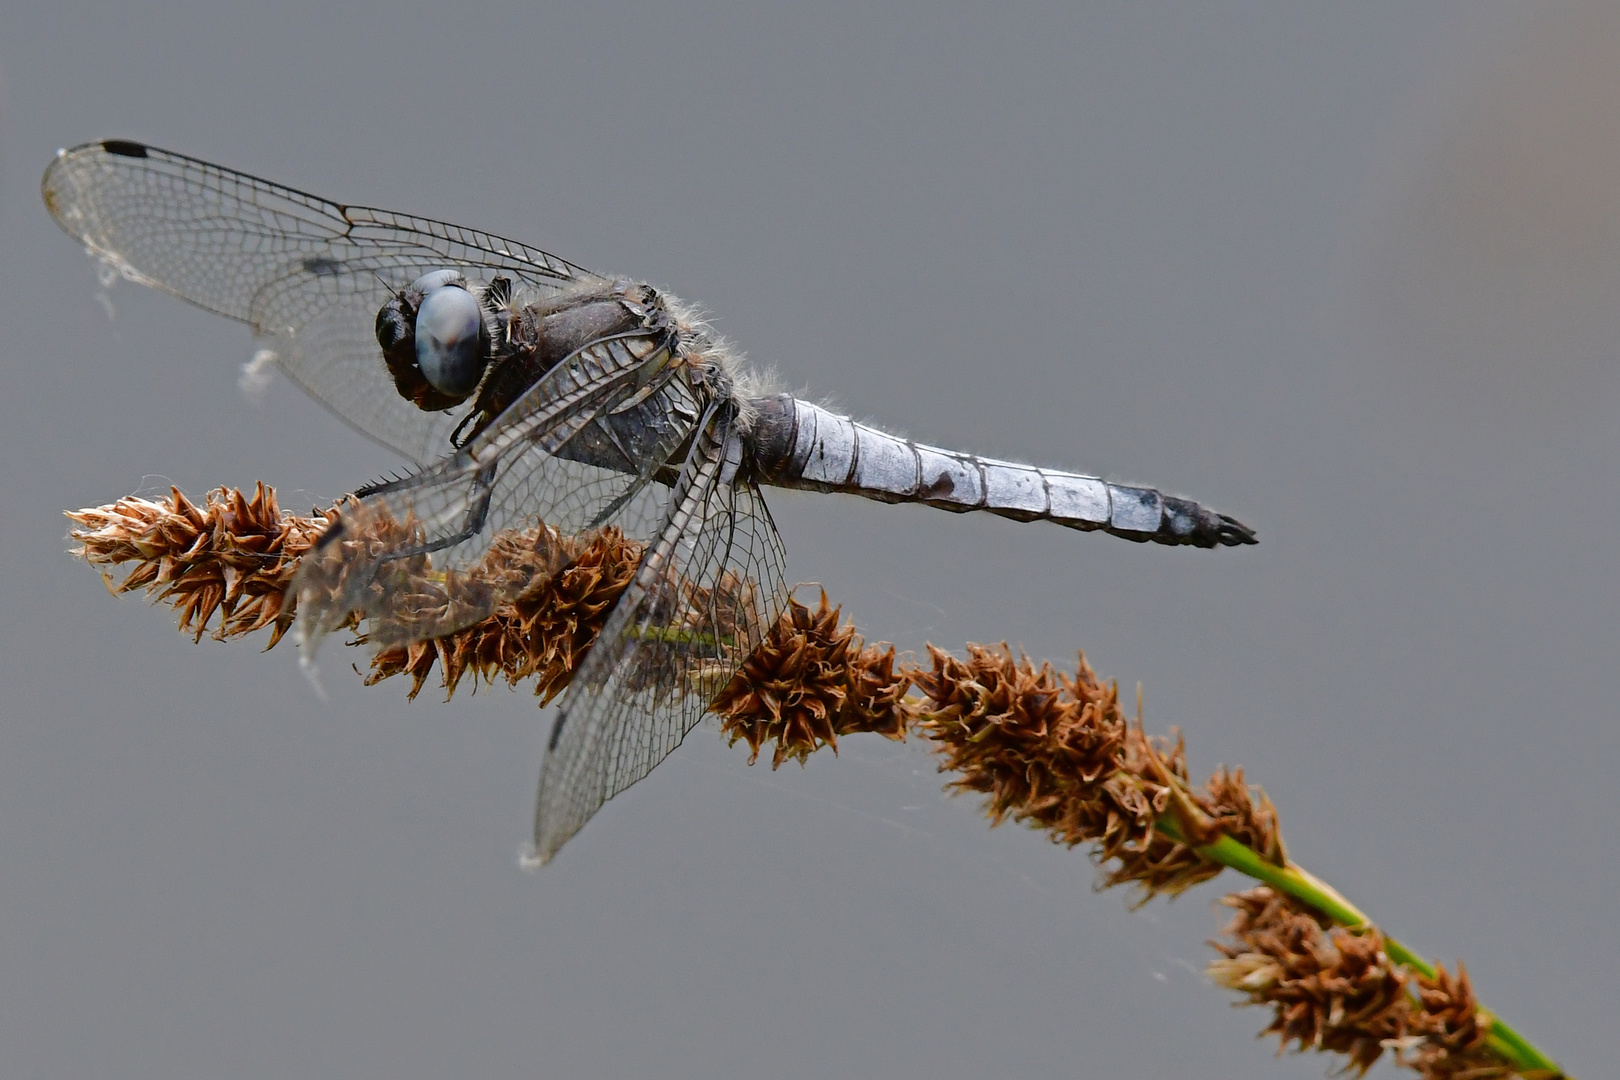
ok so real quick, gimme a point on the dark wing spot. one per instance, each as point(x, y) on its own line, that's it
point(321, 266)
point(124, 148)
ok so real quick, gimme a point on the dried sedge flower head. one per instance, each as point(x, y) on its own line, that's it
point(1020, 736)
point(1053, 751)
point(544, 632)
point(1454, 1030)
point(356, 574)
point(810, 681)
point(1152, 782)
point(1243, 812)
point(238, 556)
point(1331, 988)
point(1335, 989)
point(234, 555)
point(1058, 754)
point(1050, 750)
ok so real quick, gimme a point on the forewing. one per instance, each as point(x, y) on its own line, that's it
point(308, 273)
point(707, 592)
point(442, 548)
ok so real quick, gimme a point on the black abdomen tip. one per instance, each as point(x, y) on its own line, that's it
point(1234, 533)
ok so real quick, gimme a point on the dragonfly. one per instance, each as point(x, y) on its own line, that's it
point(535, 400)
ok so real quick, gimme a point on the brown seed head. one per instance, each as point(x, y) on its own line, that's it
point(1245, 813)
point(1058, 754)
point(234, 555)
point(238, 556)
point(544, 632)
point(1335, 989)
point(1454, 1030)
point(1037, 746)
point(1045, 749)
point(1330, 988)
point(810, 681)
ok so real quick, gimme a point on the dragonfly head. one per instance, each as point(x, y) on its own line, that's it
point(435, 340)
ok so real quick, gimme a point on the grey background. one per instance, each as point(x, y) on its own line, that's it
point(1348, 272)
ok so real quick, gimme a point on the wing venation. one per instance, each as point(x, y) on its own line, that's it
point(708, 590)
point(304, 271)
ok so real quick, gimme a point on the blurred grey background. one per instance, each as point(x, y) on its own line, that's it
point(1347, 272)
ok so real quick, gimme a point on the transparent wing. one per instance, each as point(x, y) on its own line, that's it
point(707, 591)
point(308, 273)
point(424, 555)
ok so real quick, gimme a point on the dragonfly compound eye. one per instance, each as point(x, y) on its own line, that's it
point(449, 340)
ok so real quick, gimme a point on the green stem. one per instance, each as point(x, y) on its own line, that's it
point(1306, 887)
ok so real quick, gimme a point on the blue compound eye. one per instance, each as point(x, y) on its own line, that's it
point(449, 351)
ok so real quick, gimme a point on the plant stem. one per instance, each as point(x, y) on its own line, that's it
point(1302, 885)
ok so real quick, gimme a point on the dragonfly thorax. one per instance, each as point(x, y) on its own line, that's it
point(546, 332)
point(443, 338)
point(521, 337)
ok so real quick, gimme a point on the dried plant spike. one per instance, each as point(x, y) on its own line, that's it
point(1043, 748)
point(237, 555)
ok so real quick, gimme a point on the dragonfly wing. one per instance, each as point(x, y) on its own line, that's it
point(426, 554)
point(306, 272)
point(708, 590)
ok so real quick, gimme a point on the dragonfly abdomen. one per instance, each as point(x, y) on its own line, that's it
point(800, 445)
